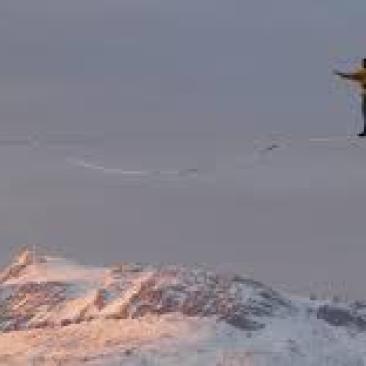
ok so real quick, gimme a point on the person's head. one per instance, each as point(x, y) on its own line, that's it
point(364, 63)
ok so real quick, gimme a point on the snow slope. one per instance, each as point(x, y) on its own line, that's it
point(54, 311)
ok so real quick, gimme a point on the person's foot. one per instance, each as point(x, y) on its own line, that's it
point(362, 134)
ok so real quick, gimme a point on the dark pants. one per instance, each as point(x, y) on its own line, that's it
point(363, 133)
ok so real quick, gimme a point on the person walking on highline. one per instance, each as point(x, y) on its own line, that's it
point(358, 76)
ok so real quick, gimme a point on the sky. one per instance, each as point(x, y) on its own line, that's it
point(192, 67)
point(165, 86)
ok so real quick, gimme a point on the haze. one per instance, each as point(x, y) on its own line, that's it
point(170, 86)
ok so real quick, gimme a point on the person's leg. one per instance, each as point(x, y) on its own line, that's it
point(363, 133)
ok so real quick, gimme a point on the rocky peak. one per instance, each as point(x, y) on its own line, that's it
point(26, 257)
point(54, 291)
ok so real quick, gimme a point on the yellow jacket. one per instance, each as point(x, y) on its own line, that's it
point(358, 76)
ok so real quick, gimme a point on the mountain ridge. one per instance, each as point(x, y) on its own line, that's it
point(44, 295)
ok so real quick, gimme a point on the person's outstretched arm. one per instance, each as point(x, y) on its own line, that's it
point(345, 75)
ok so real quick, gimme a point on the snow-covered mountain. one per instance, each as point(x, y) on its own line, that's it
point(54, 311)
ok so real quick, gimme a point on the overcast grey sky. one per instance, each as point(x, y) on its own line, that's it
point(177, 85)
point(195, 66)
